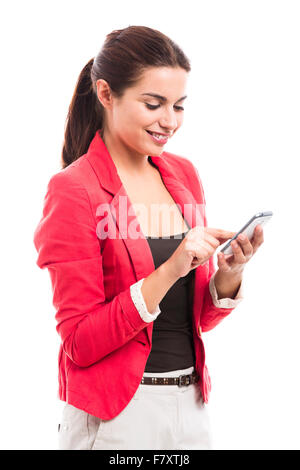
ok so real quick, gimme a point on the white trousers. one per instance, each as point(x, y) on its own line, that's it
point(157, 417)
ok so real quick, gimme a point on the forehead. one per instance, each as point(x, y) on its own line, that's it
point(166, 81)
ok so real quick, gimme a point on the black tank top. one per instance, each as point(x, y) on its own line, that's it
point(172, 339)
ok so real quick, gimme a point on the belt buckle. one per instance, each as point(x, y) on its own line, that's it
point(185, 381)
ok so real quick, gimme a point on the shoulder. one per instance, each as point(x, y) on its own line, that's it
point(70, 178)
point(67, 192)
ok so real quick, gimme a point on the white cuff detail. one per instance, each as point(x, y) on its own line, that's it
point(226, 302)
point(139, 302)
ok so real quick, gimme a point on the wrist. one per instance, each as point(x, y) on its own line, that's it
point(228, 284)
point(168, 272)
point(230, 275)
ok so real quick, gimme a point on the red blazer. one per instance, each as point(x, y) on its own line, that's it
point(104, 341)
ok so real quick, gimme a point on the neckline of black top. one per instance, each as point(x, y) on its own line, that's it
point(168, 237)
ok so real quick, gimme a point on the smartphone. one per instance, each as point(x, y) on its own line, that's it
point(260, 218)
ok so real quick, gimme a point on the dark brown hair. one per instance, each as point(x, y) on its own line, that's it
point(125, 55)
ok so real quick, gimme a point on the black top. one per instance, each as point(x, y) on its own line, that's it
point(172, 339)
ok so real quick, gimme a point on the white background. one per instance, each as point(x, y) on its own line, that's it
point(241, 130)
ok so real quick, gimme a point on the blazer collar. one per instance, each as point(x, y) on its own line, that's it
point(106, 171)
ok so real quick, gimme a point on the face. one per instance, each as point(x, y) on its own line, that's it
point(138, 116)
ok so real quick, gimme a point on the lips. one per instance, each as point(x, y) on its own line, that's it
point(158, 133)
point(161, 140)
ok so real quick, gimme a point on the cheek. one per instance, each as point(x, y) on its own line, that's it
point(138, 117)
point(145, 116)
point(180, 119)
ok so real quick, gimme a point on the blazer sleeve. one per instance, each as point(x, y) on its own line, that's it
point(67, 244)
point(212, 312)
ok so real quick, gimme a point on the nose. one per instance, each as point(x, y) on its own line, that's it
point(168, 119)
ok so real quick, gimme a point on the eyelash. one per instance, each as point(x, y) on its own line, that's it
point(152, 106)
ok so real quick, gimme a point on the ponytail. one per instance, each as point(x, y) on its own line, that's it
point(83, 120)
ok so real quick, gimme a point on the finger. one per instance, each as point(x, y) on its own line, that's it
point(228, 258)
point(221, 235)
point(201, 252)
point(258, 238)
point(213, 241)
point(204, 245)
point(239, 256)
point(201, 234)
point(223, 265)
point(259, 234)
point(245, 245)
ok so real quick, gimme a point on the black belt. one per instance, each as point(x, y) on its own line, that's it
point(180, 381)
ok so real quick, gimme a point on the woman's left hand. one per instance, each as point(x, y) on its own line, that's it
point(243, 250)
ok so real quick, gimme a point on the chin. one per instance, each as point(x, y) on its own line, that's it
point(152, 150)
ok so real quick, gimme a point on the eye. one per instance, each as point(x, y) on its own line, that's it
point(152, 106)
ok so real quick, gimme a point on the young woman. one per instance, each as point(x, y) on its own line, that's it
point(125, 239)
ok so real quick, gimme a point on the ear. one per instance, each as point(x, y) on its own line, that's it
point(104, 93)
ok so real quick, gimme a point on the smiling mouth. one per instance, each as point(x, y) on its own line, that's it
point(159, 136)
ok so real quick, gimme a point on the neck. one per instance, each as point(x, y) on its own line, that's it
point(125, 159)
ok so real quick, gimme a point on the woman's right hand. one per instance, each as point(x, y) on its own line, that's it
point(196, 248)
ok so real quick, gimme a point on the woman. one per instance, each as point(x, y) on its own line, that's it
point(125, 239)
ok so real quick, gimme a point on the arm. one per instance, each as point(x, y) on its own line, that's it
point(90, 327)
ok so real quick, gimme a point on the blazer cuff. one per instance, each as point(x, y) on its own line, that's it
point(225, 302)
point(139, 302)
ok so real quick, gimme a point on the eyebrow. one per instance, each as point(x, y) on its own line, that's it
point(162, 98)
